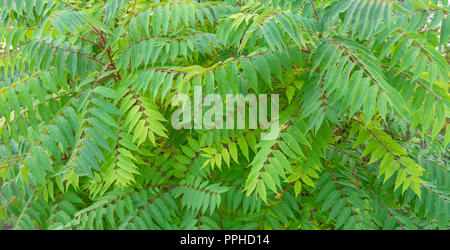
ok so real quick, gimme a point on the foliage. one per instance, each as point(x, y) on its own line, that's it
point(86, 89)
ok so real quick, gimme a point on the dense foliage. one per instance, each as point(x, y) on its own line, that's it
point(87, 143)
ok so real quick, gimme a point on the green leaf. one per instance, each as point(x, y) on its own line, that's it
point(106, 92)
point(297, 188)
point(261, 189)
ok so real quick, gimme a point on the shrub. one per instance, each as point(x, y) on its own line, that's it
point(86, 104)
